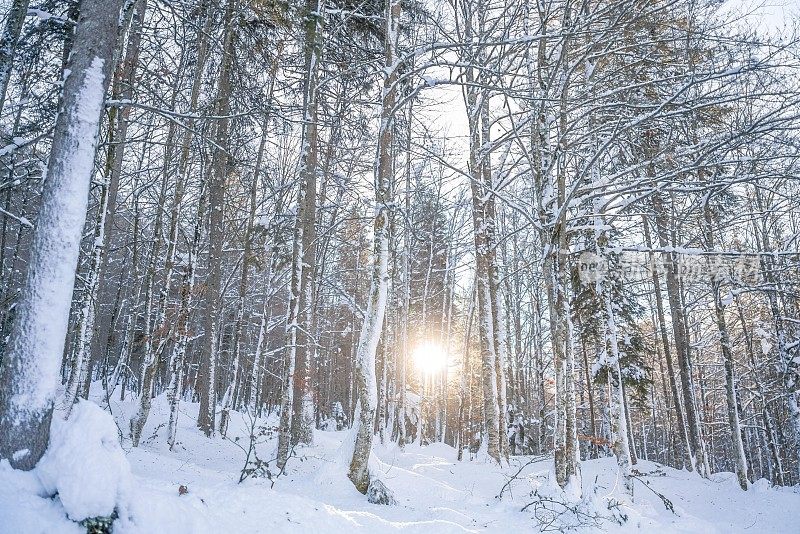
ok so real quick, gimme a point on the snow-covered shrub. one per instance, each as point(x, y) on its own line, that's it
point(555, 510)
point(378, 493)
point(85, 465)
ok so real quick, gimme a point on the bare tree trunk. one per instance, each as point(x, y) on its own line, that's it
point(232, 392)
point(662, 327)
point(298, 427)
point(697, 447)
point(8, 44)
point(379, 286)
point(219, 163)
point(30, 366)
point(740, 460)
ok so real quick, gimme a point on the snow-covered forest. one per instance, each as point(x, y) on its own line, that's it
point(436, 266)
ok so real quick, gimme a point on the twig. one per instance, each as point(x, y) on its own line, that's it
point(667, 503)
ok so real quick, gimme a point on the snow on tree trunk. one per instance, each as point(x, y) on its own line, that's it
point(483, 222)
point(206, 418)
point(302, 404)
point(485, 322)
point(499, 337)
point(619, 423)
point(696, 445)
point(299, 423)
point(30, 368)
point(93, 326)
point(740, 460)
point(365, 381)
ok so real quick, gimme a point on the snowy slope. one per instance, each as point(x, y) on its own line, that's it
point(435, 492)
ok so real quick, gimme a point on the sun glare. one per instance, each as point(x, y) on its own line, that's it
point(430, 358)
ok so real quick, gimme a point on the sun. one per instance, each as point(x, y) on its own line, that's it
point(430, 358)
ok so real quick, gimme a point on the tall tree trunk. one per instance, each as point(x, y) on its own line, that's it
point(303, 403)
point(483, 226)
point(739, 460)
point(297, 426)
point(379, 285)
point(567, 452)
point(696, 445)
point(662, 327)
point(81, 371)
point(8, 44)
point(30, 366)
point(216, 236)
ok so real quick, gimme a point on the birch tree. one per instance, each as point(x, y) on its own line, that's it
point(379, 284)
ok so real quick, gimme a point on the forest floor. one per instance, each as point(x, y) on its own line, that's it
point(434, 492)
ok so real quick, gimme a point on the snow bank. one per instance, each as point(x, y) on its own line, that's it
point(434, 492)
point(84, 464)
point(25, 508)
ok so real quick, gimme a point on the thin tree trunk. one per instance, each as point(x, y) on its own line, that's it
point(379, 285)
point(8, 44)
point(216, 233)
point(739, 460)
point(696, 445)
point(296, 427)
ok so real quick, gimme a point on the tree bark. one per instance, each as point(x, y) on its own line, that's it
point(379, 285)
point(216, 236)
point(696, 445)
point(8, 44)
point(30, 366)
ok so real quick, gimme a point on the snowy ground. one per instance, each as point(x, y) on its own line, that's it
point(435, 493)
